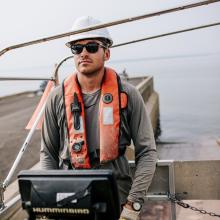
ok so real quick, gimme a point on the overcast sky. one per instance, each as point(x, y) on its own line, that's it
point(26, 20)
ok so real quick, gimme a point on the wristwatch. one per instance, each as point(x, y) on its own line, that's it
point(136, 206)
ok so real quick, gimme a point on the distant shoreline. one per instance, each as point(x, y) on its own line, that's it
point(16, 94)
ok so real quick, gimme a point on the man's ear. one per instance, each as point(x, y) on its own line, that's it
point(107, 54)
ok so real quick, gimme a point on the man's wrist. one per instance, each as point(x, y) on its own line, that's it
point(135, 206)
point(128, 214)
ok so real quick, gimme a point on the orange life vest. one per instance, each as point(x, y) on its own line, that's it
point(111, 102)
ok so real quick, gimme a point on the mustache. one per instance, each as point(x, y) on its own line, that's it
point(85, 60)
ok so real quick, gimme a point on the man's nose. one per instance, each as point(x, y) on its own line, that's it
point(84, 51)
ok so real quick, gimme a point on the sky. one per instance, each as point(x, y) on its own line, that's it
point(25, 20)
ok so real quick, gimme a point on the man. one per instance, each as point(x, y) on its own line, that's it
point(91, 119)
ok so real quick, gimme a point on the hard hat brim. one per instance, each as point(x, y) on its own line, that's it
point(79, 37)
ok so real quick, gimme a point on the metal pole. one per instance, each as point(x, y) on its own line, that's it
point(2, 205)
point(59, 65)
point(23, 148)
point(171, 176)
point(172, 189)
point(117, 22)
point(167, 34)
point(21, 78)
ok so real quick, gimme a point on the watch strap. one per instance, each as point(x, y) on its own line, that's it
point(132, 205)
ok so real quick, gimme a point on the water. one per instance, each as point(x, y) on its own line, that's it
point(189, 104)
point(12, 87)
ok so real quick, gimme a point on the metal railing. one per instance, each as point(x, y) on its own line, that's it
point(109, 24)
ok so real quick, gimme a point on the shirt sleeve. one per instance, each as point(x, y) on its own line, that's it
point(145, 147)
point(50, 137)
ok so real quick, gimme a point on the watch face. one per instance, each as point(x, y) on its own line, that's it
point(137, 206)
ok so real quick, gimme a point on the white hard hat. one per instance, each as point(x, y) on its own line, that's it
point(84, 22)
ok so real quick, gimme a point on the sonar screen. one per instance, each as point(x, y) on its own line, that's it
point(69, 194)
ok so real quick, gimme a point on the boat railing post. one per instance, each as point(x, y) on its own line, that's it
point(172, 189)
point(171, 177)
point(2, 189)
point(23, 148)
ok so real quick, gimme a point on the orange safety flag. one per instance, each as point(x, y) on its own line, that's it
point(43, 99)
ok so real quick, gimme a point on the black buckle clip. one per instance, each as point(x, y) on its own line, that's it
point(76, 110)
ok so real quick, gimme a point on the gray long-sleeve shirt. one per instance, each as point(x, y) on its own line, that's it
point(135, 126)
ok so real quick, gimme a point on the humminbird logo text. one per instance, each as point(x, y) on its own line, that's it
point(61, 210)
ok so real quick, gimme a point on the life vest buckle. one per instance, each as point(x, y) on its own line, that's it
point(76, 107)
point(76, 110)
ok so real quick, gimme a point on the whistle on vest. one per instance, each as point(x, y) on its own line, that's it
point(76, 110)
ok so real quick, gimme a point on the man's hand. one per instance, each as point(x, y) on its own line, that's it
point(128, 206)
point(128, 213)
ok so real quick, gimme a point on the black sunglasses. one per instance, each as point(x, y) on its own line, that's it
point(91, 47)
